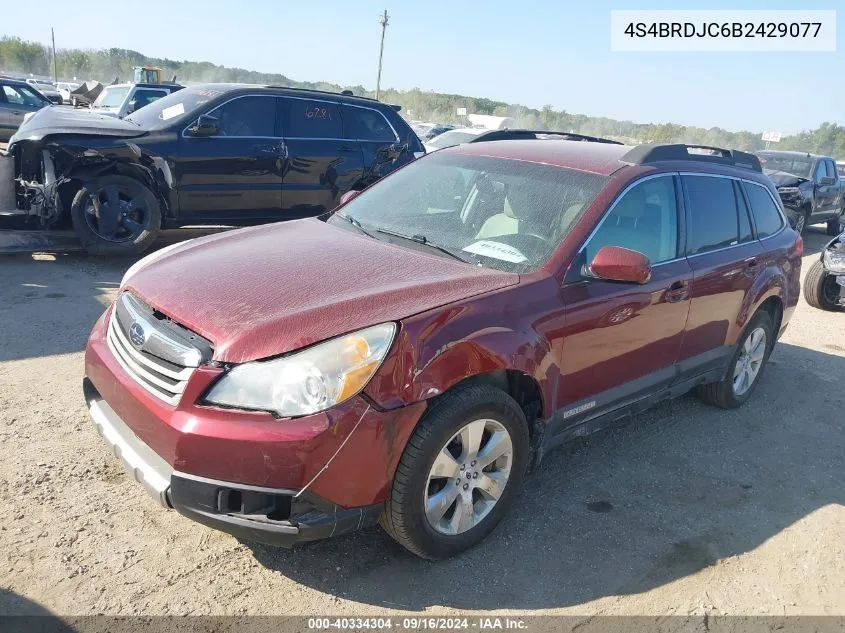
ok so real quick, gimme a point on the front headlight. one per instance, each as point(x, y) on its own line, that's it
point(834, 260)
point(309, 381)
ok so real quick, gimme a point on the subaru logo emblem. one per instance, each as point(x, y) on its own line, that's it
point(136, 334)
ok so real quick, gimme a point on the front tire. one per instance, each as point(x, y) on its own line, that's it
point(746, 366)
point(821, 290)
point(459, 474)
point(115, 215)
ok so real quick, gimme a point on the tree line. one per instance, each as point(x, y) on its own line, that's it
point(19, 56)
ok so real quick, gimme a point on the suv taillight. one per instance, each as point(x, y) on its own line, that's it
point(799, 246)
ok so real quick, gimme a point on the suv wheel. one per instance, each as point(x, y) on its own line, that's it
point(821, 290)
point(746, 365)
point(800, 222)
point(459, 474)
point(115, 215)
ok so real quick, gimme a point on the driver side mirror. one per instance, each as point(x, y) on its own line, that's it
point(131, 106)
point(615, 263)
point(206, 125)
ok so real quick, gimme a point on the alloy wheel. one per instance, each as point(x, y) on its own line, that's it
point(468, 477)
point(115, 215)
point(750, 361)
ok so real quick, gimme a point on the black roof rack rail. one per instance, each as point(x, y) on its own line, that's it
point(657, 152)
point(519, 134)
point(343, 93)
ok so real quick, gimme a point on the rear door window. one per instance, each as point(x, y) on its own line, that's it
point(767, 216)
point(309, 118)
point(145, 96)
point(712, 211)
point(364, 124)
point(745, 234)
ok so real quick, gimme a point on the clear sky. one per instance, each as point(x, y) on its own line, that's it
point(534, 53)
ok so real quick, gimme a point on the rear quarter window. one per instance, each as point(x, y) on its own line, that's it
point(364, 124)
point(766, 214)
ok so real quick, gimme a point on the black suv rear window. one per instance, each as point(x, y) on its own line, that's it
point(712, 213)
point(365, 124)
point(309, 118)
point(766, 214)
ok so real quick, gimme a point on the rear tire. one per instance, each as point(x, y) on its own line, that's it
point(115, 215)
point(802, 220)
point(833, 227)
point(422, 485)
point(819, 288)
point(726, 393)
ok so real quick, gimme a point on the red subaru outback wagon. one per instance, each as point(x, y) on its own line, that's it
point(408, 360)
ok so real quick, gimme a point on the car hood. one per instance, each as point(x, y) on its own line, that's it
point(62, 120)
point(270, 289)
point(784, 179)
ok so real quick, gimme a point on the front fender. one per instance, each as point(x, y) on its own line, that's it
point(437, 350)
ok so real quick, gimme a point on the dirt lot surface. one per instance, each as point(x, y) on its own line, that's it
point(686, 509)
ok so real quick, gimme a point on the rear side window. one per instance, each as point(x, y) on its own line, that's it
point(766, 214)
point(146, 97)
point(307, 118)
point(364, 124)
point(713, 219)
point(644, 219)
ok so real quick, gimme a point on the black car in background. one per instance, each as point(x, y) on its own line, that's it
point(17, 99)
point(208, 154)
point(809, 186)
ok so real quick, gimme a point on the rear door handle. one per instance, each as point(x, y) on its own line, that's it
point(678, 291)
point(267, 149)
point(348, 148)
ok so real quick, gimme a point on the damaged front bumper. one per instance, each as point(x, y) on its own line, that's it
point(34, 182)
point(277, 481)
point(275, 516)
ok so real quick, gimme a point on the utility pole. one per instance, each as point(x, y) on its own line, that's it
point(383, 20)
point(55, 71)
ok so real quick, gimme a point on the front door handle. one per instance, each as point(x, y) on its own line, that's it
point(751, 263)
point(678, 291)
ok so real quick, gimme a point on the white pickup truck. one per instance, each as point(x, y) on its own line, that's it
point(121, 100)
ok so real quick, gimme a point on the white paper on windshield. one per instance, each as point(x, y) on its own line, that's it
point(496, 250)
point(172, 111)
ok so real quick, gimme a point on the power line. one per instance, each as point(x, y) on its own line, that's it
point(383, 20)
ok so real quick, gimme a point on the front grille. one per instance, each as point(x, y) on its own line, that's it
point(164, 354)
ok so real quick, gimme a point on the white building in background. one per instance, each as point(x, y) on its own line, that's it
point(491, 122)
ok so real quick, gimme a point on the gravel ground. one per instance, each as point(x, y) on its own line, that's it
point(685, 509)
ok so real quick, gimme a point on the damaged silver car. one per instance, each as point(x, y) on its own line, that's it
point(824, 287)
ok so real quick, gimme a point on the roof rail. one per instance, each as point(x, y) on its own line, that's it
point(345, 93)
point(656, 152)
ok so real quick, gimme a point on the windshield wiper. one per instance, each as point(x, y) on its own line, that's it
point(422, 239)
point(356, 224)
